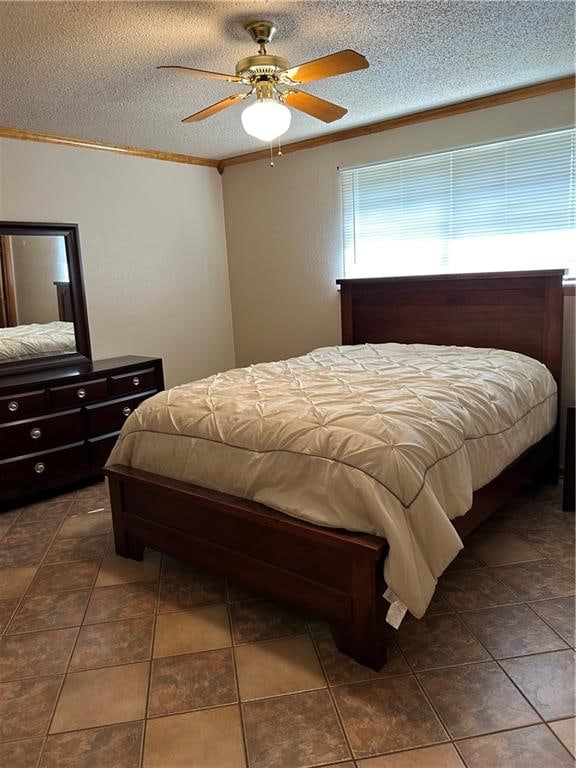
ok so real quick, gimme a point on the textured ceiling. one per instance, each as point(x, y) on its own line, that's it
point(87, 69)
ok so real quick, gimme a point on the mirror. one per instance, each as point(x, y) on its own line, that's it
point(43, 320)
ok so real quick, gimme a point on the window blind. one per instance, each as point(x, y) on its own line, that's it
point(495, 207)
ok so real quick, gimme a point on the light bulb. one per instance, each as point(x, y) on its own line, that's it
point(266, 119)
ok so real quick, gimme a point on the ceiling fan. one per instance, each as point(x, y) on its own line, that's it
point(271, 79)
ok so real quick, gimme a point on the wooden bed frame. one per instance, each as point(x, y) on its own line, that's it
point(335, 575)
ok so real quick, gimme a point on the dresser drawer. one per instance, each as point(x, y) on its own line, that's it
point(22, 405)
point(33, 472)
point(137, 381)
point(100, 448)
point(79, 393)
point(33, 435)
point(110, 417)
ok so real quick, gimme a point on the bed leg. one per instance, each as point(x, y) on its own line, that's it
point(125, 543)
point(364, 638)
point(127, 546)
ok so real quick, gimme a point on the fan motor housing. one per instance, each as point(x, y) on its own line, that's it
point(261, 65)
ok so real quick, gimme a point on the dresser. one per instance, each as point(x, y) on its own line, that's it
point(58, 426)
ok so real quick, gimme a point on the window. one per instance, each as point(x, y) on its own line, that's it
point(495, 207)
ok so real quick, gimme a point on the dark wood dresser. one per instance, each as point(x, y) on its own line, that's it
point(58, 426)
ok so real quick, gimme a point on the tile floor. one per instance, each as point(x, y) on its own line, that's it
point(110, 663)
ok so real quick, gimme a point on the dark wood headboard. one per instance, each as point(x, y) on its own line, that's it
point(519, 311)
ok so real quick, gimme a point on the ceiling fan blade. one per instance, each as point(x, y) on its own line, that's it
point(202, 73)
point(215, 108)
point(312, 105)
point(335, 64)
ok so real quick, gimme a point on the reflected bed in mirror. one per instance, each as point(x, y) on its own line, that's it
point(43, 319)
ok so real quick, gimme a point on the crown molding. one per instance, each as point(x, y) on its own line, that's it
point(436, 113)
point(121, 149)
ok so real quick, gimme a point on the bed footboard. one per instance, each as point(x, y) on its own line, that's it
point(333, 575)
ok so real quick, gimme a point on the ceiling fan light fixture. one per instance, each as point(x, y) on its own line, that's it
point(266, 119)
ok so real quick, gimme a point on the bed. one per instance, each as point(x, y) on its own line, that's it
point(36, 340)
point(332, 573)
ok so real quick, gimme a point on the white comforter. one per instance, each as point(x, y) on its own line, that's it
point(389, 439)
point(36, 339)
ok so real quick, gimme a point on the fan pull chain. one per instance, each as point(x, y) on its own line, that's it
point(271, 156)
point(280, 153)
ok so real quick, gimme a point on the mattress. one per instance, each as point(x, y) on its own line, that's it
point(387, 439)
point(37, 339)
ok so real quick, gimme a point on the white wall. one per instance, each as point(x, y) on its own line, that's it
point(283, 224)
point(153, 248)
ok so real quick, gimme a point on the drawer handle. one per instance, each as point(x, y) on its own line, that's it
point(135, 381)
point(35, 433)
point(81, 393)
point(13, 406)
point(126, 411)
point(39, 467)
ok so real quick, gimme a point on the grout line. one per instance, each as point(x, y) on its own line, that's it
point(233, 653)
point(151, 661)
point(331, 693)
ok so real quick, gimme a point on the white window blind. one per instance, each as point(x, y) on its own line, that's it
point(495, 207)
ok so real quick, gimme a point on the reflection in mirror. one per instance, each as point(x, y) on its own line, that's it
point(36, 314)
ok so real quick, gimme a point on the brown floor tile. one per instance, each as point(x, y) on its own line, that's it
point(476, 699)
point(208, 739)
point(122, 570)
point(15, 581)
point(502, 547)
point(124, 601)
point(102, 697)
point(86, 524)
point(62, 576)
point(237, 593)
point(21, 754)
point(465, 560)
point(565, 730)
point(115, 746)
point(524, 517)
point(533, 747)
point(560, 614)
point(263, 620)
point(26, 707)
point(50, 509)
point(202, 629)
point(438, 641)
point(53, 611)
point(438, 605)
point(340, 668)
point(309, 732)
point(537, 491)
point(112, 643)
point(7, 608)
point(36, 654)
point(192, 681)
point(467, 590)
point(91, 496)
point(277, 667)
point(537, 580)
point(387, 715)
point(547, 681)
point(4, 528)
point(191, 590)
point(173, 568)
point(68, 550)
point(554, 542)
point(22, 533)
point(512, 630)
point(24, 554)
point(441, 756)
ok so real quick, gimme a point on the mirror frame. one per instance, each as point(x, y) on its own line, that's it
point(83, 356)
